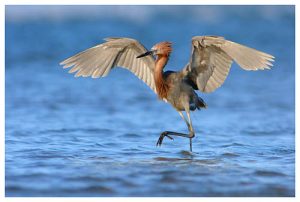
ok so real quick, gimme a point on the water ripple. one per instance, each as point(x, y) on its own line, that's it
point(268, 173)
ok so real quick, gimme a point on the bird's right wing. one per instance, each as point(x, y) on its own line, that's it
point(115, 52)
point(212, 57)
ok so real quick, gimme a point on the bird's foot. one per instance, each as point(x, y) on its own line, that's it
point(162, 136)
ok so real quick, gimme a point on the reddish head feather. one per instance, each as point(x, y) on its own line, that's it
point(163, 48)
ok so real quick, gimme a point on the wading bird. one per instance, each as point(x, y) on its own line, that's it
point(207, 69)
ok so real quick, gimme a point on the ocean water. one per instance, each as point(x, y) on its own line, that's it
point(67, 136)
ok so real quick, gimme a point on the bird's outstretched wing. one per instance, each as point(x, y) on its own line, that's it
point(115, 52)
point(212, 57)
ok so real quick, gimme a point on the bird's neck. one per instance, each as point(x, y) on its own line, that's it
point(160, 83)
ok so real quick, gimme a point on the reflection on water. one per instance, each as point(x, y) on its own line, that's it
point(97, 137)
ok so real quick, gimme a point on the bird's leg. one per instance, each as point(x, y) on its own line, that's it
point(191, 129)
point(169, 133)
point(189, 125)
point(182, 116)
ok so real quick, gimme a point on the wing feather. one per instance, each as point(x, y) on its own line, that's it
point(212, 57)
point(126, 58)
point(115, 52)
point(247, 58)
point(96, 73)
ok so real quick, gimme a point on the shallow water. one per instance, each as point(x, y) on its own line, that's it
point(87, 137)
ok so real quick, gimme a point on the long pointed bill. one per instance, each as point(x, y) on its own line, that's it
point(144, 54)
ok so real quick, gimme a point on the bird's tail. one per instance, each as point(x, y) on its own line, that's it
point(200, 103)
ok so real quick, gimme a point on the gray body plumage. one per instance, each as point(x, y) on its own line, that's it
point(181, 94)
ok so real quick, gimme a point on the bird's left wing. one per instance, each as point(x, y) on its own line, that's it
point(212, 57)
point(115, 52)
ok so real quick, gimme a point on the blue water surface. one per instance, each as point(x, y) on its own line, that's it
point(67, 136)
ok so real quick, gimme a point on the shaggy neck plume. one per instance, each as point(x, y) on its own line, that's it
point(160, 84)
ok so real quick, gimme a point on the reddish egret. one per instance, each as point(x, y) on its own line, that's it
point(207, 69)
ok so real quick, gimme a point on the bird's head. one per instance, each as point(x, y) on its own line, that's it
point(160, 49)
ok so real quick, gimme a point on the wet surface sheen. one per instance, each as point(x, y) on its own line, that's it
point(97, 137)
